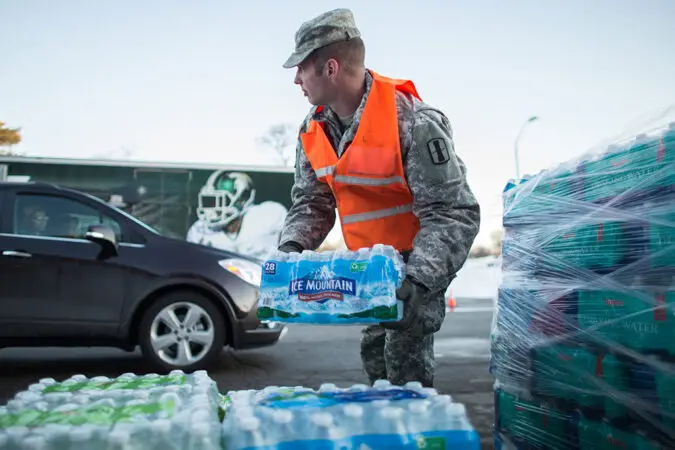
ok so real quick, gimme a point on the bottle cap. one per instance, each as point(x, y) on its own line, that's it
point(430, 392)
point(359, 387)
point(381, 384)
point(328, 387)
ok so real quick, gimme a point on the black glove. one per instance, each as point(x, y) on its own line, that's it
point(414, 295)
point(290, 247)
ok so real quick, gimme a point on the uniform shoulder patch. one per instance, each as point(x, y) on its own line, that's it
point(438, 150)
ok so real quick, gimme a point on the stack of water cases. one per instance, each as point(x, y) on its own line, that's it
point(358, 417)
point(340, 287)
point(583, 341)
point(148, 412)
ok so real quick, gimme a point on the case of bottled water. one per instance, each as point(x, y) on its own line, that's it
point(340, 287)
point(583, 338)
point(358, 417)
point(130, 412)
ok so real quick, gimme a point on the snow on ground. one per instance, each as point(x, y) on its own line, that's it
point(479, 278)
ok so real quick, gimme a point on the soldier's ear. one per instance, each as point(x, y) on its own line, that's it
point(331, 68)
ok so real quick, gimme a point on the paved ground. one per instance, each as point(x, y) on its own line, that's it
point(307, 356)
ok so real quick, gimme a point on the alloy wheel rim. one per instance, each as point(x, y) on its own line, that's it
point(182, 333)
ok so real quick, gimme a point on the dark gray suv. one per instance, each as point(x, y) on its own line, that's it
point(75, 271)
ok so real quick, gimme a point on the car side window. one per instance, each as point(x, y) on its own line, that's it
point(56, 216)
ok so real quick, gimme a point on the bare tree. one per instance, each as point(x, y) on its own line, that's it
point(124, 152)
point(280, 139)
point(496, 237)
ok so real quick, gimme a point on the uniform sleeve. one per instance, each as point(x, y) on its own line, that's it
point(312, 212)
point(446, 207)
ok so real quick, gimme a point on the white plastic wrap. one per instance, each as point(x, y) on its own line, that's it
point(172, 412)
point(583, 339)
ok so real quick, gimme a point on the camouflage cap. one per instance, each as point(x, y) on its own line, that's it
point(330, 27)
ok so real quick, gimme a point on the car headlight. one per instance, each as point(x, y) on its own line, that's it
point(246, 270)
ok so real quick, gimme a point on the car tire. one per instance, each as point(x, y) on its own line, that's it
point(182, 330)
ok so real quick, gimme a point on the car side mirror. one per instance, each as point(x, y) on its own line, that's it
point(102, 235)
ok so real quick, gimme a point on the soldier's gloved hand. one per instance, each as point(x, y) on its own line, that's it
point(290, 247)
point(414, 295)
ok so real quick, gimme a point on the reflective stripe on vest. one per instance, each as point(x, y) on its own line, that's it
point(379, 214)
point(324, 171)
point(373, 200)
point(362, 181)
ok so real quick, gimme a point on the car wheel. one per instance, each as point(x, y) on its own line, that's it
point(182, 330)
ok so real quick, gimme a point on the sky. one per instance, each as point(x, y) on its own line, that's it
point(201, 82)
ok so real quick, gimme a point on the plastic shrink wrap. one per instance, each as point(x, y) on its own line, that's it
point(357, 417)
point(338, 287)
point(583, 339)
point(131, 412)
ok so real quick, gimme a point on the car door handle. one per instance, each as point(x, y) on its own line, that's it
point(16, 253)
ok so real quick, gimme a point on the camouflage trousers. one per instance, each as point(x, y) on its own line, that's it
point(404, 355)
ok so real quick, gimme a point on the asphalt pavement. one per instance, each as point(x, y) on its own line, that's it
point(307, 355)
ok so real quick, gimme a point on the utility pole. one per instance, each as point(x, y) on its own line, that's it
point(515, 145)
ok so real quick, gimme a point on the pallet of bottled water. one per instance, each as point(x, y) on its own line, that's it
point(130, 412)
point(339, 287)
point(359, 417)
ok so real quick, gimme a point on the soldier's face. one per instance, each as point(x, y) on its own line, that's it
point(317, 87)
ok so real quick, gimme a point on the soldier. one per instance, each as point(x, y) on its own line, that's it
point(371, 148)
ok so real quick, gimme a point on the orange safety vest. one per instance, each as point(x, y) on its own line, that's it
point(373, 200)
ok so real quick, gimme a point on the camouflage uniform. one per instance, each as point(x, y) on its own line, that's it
point(449, 217)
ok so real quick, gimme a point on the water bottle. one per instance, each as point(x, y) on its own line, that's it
point(16, 435)
point(119, 439)
point(247, 432)
point(391, 422)
point(281, 428)
point(57, 435)
point(353, 419)
point(201, 438)
point(418, 416)
point(363, 254)
point(131, 432)
point(34, 442)
point(161, 434)
point(439, 410)
point(323, 428)
point(83, 436)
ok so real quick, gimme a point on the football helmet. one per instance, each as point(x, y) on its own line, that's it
point(225, 197)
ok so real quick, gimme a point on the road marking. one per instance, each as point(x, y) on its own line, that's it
point(470, 309)
point(462, 347)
